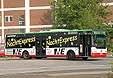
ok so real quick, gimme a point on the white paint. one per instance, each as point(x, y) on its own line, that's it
point(107, 3)
point(2, 7)
point(27, 15)
point(95, 50)
point(23, 8)
point(43, 7)
point(41, 26)
point(13, 9)
point(50, 51)
point(32, 51)
point(36, 26)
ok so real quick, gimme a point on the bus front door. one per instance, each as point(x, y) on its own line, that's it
point(40, 47)
point(85, 42)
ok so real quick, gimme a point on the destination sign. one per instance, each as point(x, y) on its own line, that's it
point(99, 32)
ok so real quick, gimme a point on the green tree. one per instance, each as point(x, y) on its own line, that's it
point(79, 14)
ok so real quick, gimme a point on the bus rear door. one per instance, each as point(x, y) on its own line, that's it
point(40, 46)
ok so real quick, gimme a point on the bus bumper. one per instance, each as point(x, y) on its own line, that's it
point(99, 55)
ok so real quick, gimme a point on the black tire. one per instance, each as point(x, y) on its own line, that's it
point(26, 55)
point(84, 58)
point(70, 55)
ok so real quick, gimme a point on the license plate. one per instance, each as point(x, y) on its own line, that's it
point(101, 53)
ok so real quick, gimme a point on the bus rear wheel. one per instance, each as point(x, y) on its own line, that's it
point(26, 55)
point(70, 55)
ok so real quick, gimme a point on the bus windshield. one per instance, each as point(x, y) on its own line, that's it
point(100, 41)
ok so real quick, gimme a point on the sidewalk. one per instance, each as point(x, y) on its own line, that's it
point(109, 56)
point(9, 58)
point(63, 75)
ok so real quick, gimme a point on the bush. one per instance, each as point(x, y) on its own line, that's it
point(110, 75)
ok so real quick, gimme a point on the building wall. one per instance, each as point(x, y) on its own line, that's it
point(0, 4)
point(38, 10)
point(15, 15)
point(38, 29)
point(0, 20)
point(40, 17)
point(1, 37)
point(13, 30)
point(37, 3)
point(14, 3)
point(0, 32)
point(107, 1)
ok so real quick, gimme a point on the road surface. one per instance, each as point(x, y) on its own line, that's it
point(54, 67)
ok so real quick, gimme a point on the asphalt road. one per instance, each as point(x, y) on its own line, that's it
point(54, 68)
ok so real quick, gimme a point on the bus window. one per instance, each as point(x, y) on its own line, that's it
point(99, 41)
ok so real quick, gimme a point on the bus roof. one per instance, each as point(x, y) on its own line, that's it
point(51, 31)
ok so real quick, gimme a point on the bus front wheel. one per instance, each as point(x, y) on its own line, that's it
point(70, 55)
point(26, 55)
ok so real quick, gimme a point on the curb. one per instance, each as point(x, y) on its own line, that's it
point(8, 58)
point(108, 56)
point(79, 73)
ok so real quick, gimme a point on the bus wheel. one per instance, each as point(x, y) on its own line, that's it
point(70, 55)
point(84, 58)
point(26, 55)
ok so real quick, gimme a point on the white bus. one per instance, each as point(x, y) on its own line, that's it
point(57, 43)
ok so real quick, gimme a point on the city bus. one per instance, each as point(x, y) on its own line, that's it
point(57, 43)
